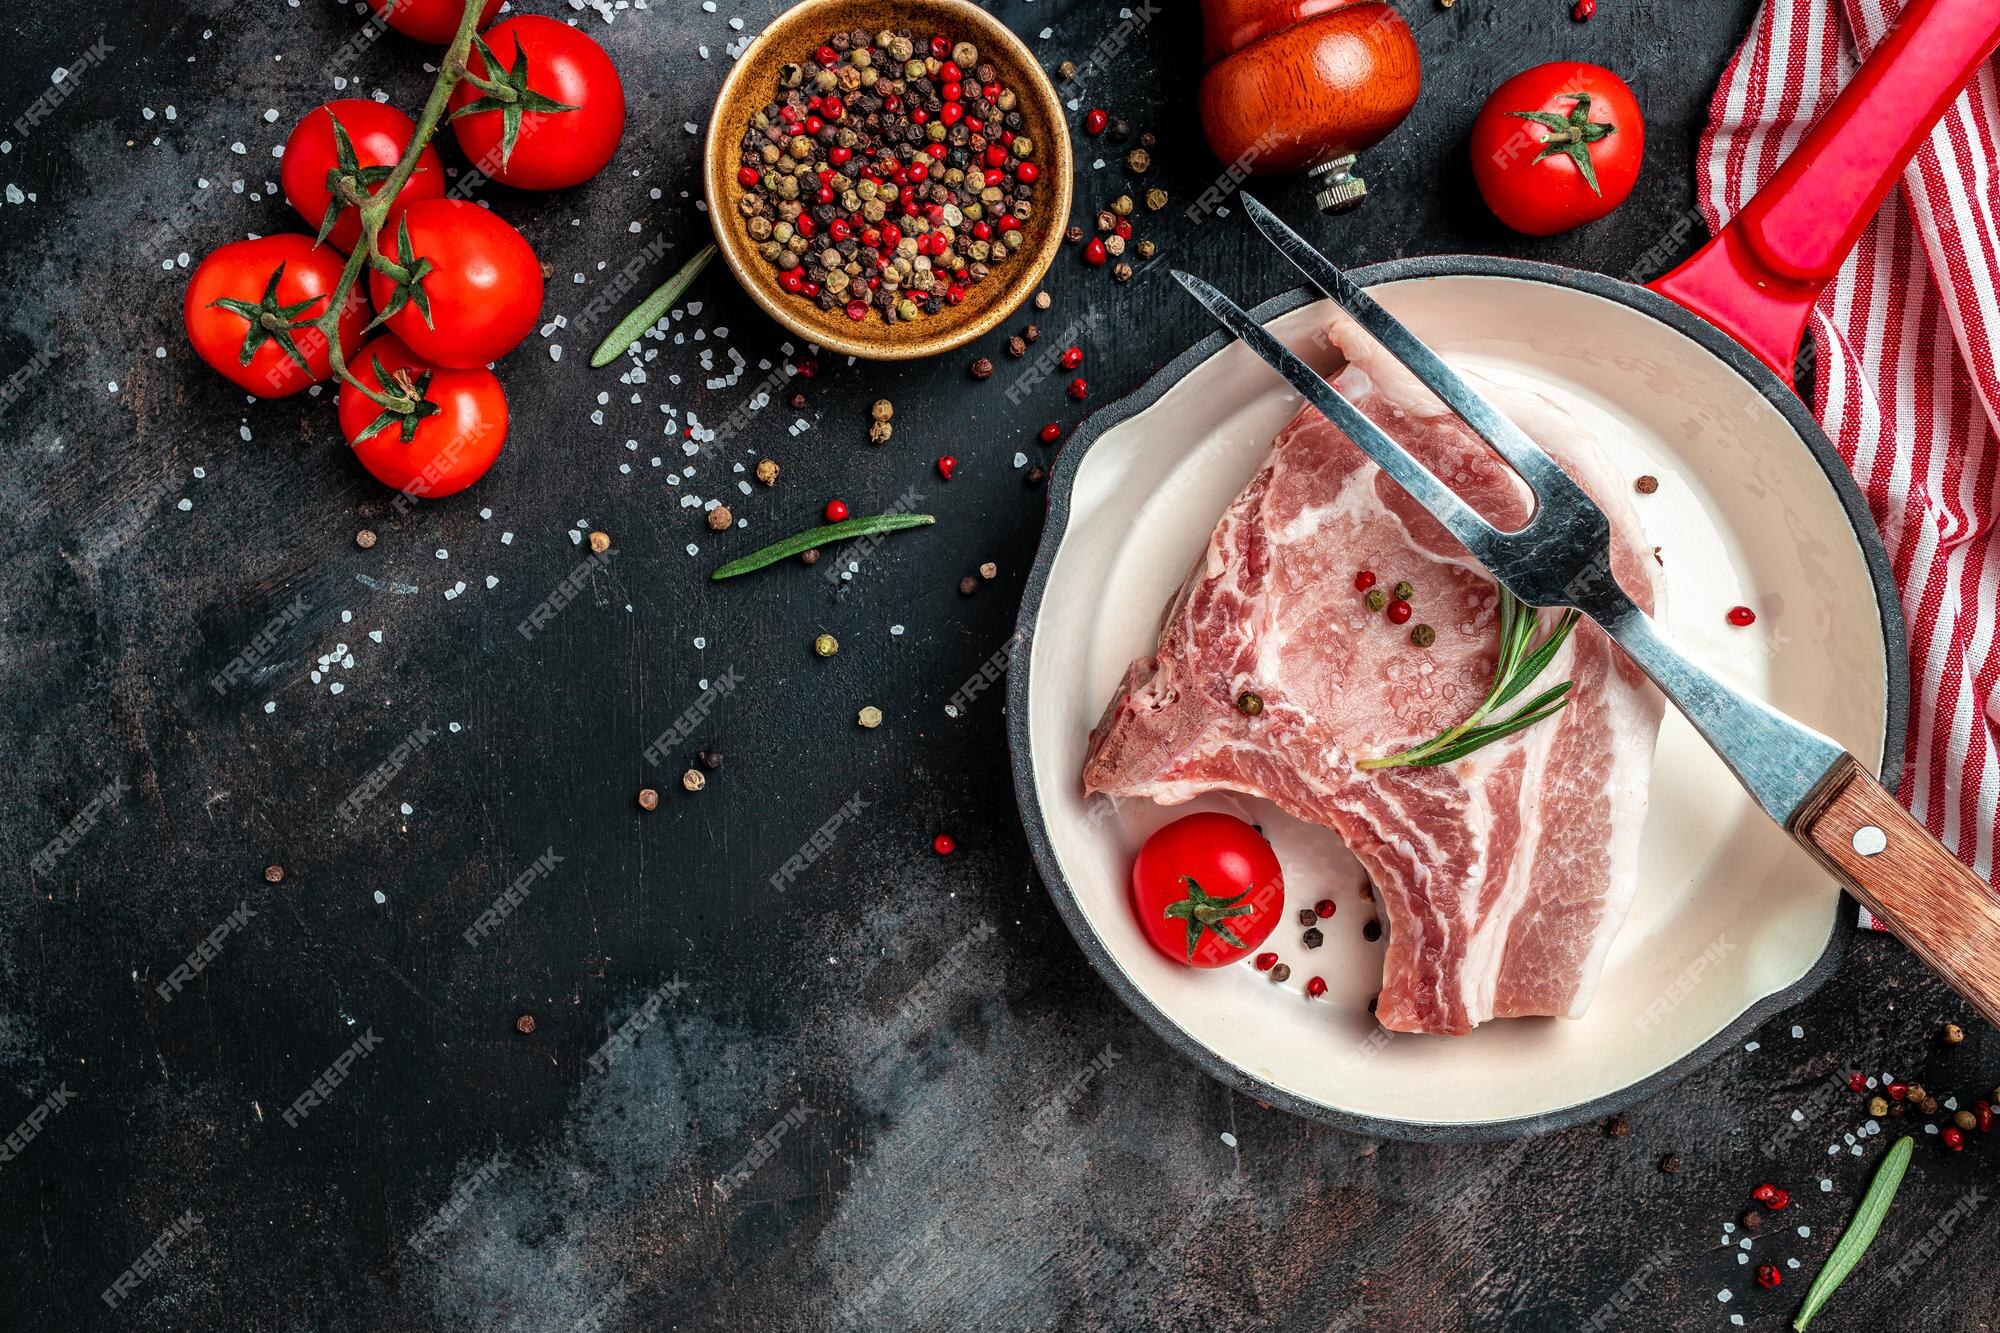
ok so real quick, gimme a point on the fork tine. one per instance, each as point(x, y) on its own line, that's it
point(1493, 426)
point(1473, 532)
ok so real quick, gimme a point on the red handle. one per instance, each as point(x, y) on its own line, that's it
point(1758, 279)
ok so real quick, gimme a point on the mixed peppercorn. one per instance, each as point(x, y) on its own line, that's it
point(888, 176)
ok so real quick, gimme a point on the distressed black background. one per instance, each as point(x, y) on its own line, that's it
point(909, 1162)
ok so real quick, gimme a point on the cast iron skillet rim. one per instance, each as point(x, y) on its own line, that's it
point(1062, 482)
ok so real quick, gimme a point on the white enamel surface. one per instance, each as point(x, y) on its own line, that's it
point(1728, 910)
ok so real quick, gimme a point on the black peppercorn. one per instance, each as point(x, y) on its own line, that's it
point(1314, 938)
point(982, 369)
point(1670, 1165)
point(1281, 973)
point(1307, 916)
point(968, 586)
point(1372, 931)
point(711, 759)
point(1034, 476)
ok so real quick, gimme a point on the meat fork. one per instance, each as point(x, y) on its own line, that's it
point(1816, 791)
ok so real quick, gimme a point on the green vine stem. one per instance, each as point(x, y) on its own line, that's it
point(374, 212)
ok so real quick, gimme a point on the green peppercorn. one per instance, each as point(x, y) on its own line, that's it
point(826, 645)
point(1249, 704)
point(1423, 636)
point(1377, 599)
point(1404, 592)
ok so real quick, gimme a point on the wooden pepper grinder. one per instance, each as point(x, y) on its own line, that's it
point(1303, 85)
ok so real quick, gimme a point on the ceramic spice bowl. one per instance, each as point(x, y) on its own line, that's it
point(757, 82)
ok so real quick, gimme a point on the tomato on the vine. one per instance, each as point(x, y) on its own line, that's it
point(246, 304)
point(478, 285)
point(1557, 146)
point(429, 20)
point(352, 145)
point(442, 447)
point(1207, 889)
point(562, 115)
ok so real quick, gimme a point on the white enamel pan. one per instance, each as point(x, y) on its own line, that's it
point(1689, 382)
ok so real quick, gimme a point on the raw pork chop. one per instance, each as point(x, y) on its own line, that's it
point(1504, 876)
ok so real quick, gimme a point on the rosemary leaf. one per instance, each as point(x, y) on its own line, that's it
point(1535, 663)
point(1860, 1233)
point(1472, 740)
point(647, 313)
point(1519, 662)
point(826, 536)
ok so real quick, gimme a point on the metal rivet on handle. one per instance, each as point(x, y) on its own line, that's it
point(1869, 840)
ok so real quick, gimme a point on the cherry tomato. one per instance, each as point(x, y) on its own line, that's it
point(1557, 146)
point(442, 448)
point(377, 135)
point(1207, 889)
point(483, 287)
point(243, 300)
point(530, 143)
point(429, 20)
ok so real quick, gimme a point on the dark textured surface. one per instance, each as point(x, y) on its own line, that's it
point(907, 1048)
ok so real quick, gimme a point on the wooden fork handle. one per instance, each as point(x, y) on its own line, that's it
point(1921, 892)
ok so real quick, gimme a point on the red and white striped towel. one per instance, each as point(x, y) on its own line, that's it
point(1906, 386)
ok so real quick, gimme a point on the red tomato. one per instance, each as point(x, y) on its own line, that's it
point(244, 298)
point(483, 290)
point(442, 448)
point(531, 143)
point(429, 20)
point(1557, 146)
point(378, 136)
point(1207, 889)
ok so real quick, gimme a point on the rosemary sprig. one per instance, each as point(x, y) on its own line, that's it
point(647, 313)
point(1521, 660)
point(826, 536)
point(1860, 1233)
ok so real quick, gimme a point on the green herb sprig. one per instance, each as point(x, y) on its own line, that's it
point(1860, 1233)
point(1521, 660)
point(826, 536)
point(647, 313)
